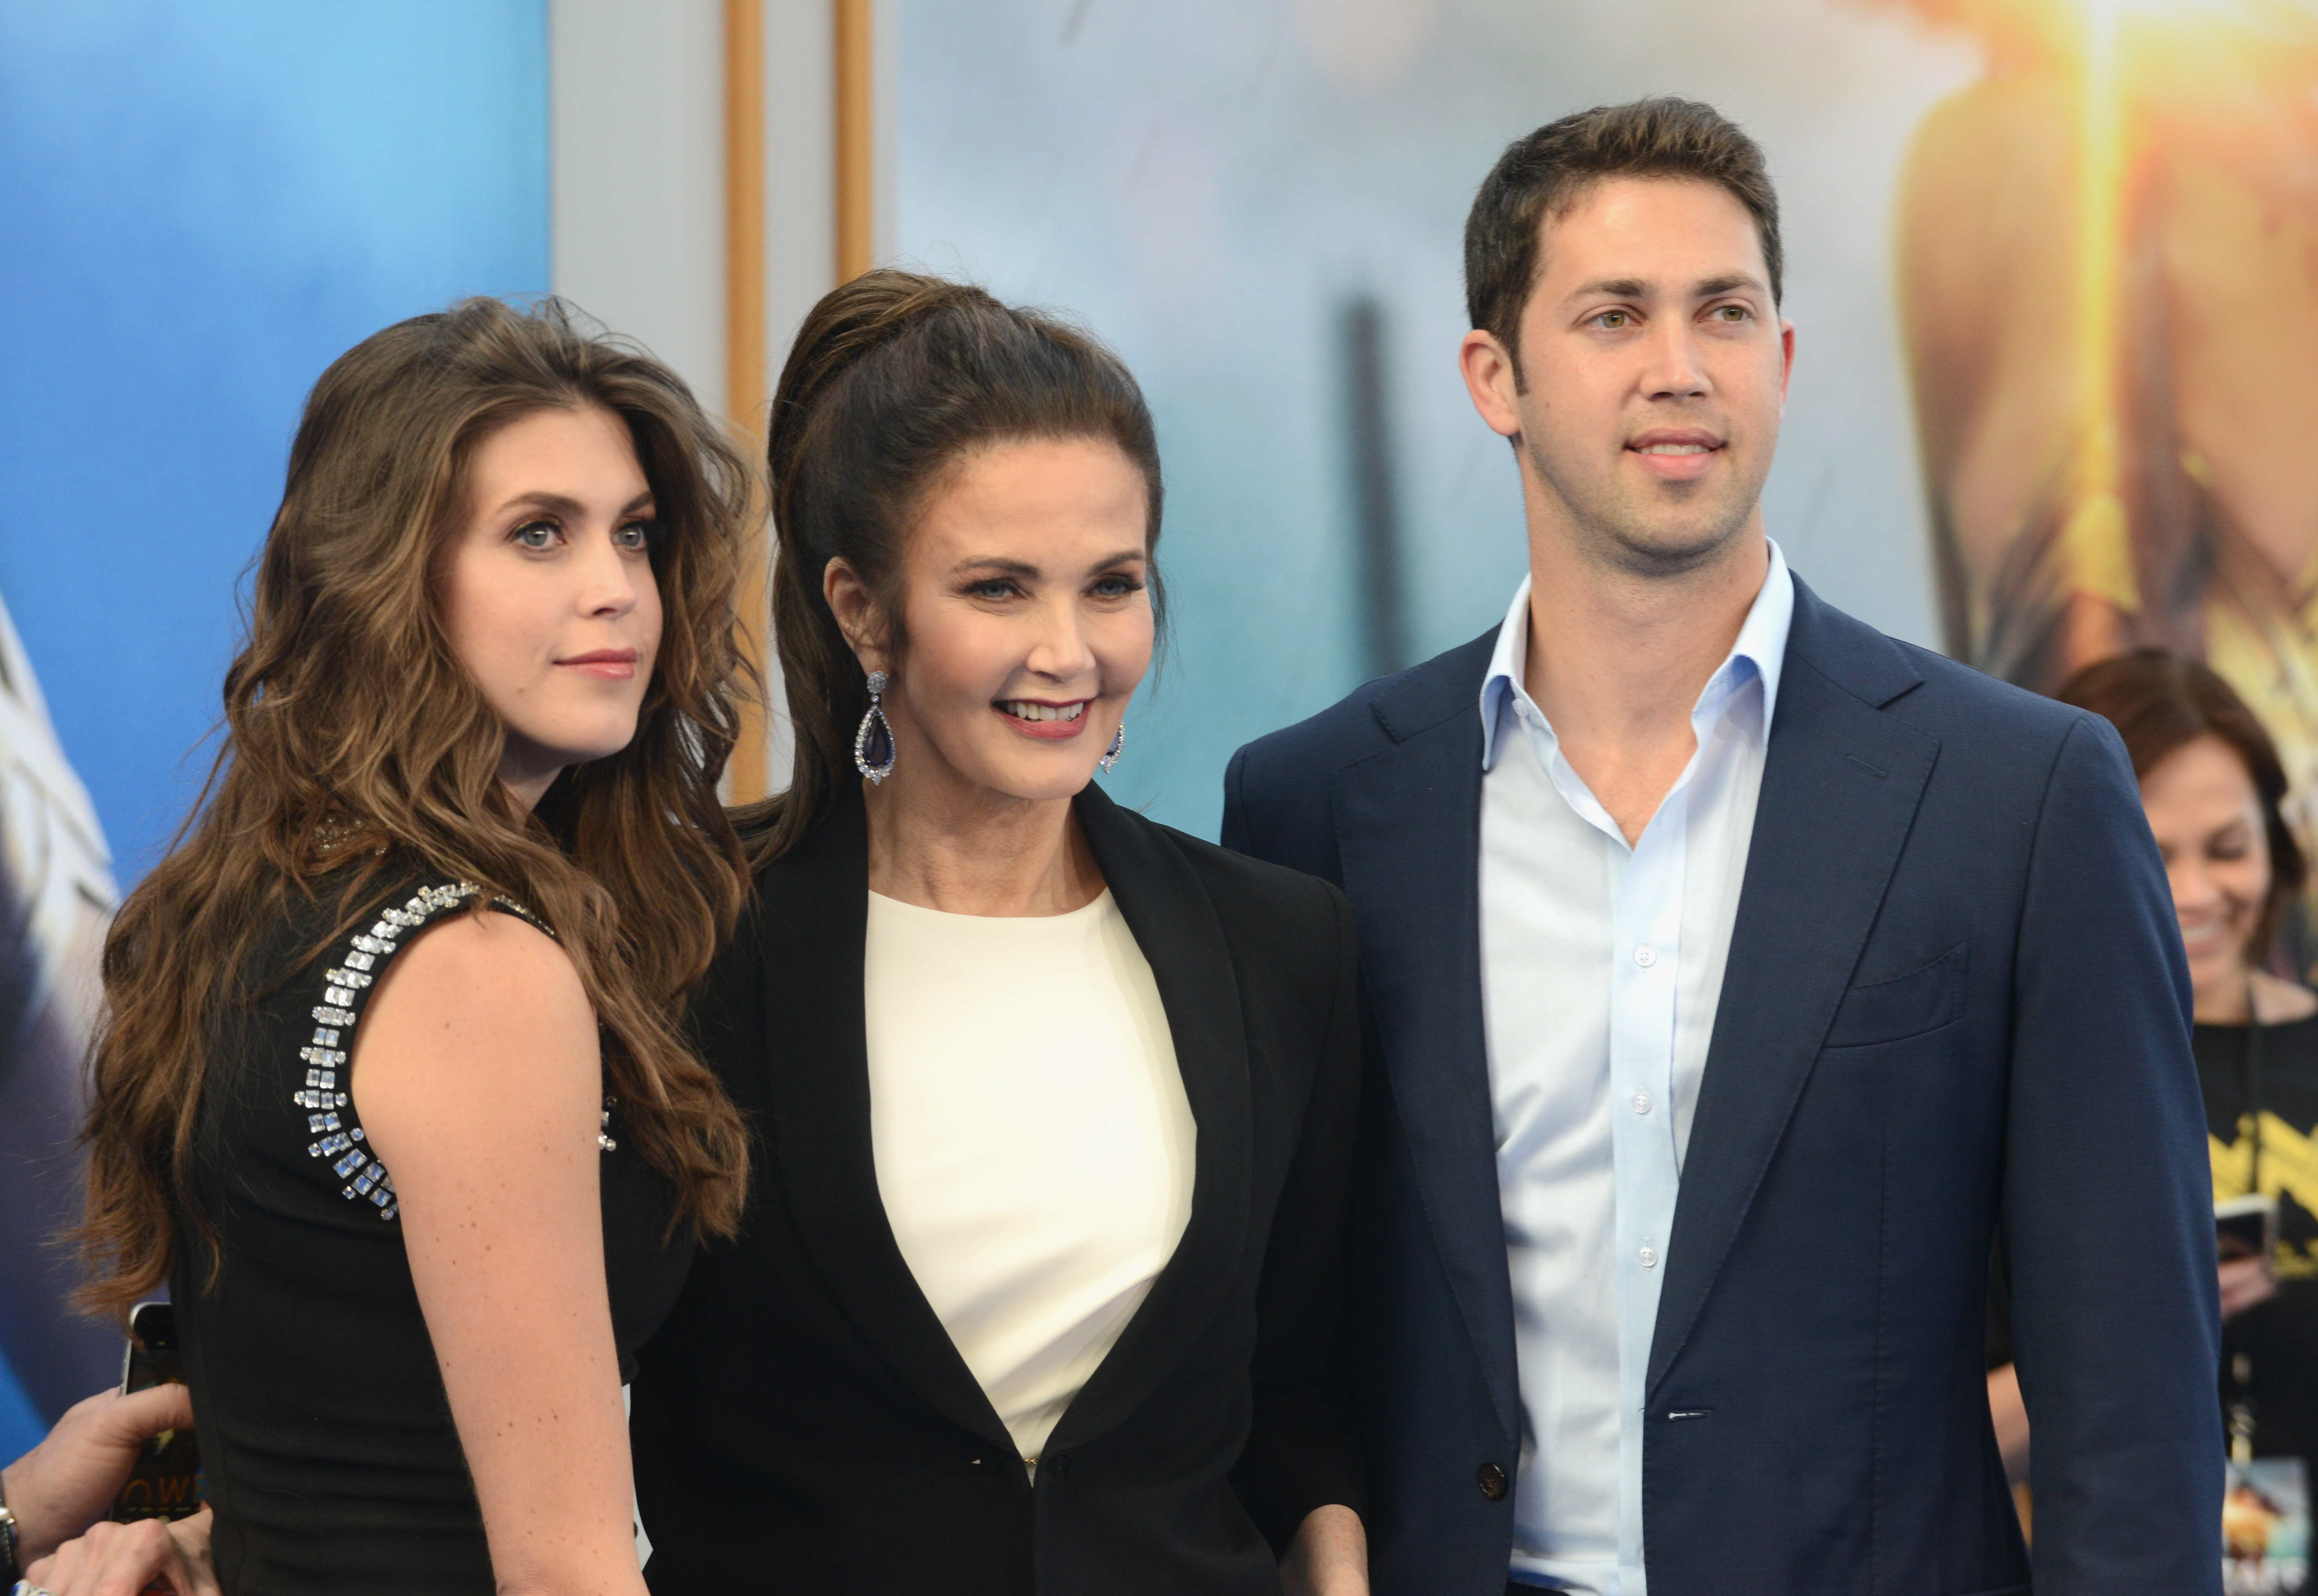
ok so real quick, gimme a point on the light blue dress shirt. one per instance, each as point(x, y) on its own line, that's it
point(1602, 966)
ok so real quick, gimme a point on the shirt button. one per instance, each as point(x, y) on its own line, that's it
point(1641, 1102)
point(1649, 1257)
point(1646, 956)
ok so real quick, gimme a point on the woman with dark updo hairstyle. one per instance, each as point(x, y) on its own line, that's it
point(1053, 1104)
point(2214, 791)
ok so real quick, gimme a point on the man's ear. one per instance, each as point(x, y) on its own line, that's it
point(1492, 378)
point(856, 611)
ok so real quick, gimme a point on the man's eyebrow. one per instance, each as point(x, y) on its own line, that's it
point(1635, 288)
point(1617, 288)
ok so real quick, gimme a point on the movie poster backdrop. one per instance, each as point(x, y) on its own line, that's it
point(201, 205)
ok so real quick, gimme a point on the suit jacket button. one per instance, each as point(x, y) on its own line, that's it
point(1492, 1481)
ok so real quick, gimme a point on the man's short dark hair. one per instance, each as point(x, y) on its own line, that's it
point(1543, 176)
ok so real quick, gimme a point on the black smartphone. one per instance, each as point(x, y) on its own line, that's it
point(167, 1483)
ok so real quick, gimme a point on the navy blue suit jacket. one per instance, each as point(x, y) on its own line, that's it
point(1955, 1005)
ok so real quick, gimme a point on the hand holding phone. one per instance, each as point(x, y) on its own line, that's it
point(2247, 1227)
point(69, 1481)
point(167, 1481)
point(153, 1555)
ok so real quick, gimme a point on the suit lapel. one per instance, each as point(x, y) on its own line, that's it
point(1409, 821)
point(816, 918)
point(1841, 780)
point(816, 909)
point(1177, 930)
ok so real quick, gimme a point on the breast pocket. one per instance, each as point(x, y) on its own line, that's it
point(1904, 1005)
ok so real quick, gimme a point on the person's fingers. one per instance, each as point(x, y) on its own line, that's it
point(118, 1560)
point(70, 1478)
point(196, 1575)
point(87, 1408)
point(2245, 1283)
point(54, 1571)
point(132, 1559)
point(149, 1412)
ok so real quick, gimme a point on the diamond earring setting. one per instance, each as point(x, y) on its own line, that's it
point(873, 744)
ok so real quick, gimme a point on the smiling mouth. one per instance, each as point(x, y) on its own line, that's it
point(2205, 936)
point(1677, 457)
point(1022, 709)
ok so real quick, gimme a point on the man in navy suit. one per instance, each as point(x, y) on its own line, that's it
point(1736, 977)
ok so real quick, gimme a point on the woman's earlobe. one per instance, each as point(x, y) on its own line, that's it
point(843, 590)
point(859, 635)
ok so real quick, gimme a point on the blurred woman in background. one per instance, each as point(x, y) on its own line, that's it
point(1036, 1287)
point(2213, 788)
point(460, 858)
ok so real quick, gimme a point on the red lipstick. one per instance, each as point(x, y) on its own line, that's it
point(1048, 723)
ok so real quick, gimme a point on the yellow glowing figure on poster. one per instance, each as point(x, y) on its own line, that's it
point(2108, 286)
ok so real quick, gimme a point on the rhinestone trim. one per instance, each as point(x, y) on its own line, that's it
point(329, 1112)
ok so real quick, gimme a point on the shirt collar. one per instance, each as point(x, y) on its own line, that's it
point(1761, 645)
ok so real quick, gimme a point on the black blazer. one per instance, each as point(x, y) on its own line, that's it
point(803, 1423)
point(1955, 1003)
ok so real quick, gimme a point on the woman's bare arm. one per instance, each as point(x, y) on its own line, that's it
point(1329, 1555)
point(478, 1080)
point(2009, 1415)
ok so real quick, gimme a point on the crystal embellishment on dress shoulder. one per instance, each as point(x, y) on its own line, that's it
point(329, 1116)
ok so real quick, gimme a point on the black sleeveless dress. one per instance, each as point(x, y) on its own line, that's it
point(330, 1455)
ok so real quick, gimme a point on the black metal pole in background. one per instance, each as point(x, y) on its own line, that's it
point(1375, 502)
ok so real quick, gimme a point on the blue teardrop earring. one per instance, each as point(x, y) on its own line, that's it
point(872, 745)
point(1118, 741)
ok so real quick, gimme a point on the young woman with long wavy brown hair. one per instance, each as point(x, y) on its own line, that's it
point(490, 666)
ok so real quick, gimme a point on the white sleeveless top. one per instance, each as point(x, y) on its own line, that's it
point(1032, 1138)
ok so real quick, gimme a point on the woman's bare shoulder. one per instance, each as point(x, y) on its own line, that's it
point(480, 984)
